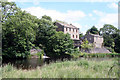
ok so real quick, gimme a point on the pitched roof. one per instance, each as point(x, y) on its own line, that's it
point(67, 25)
point(95, 35)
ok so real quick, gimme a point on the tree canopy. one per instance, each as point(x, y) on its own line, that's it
point(86, 45)
point(22, 31)
point(55, 44)
point(111, 36)
point(93, 30)
point(18, 34)
point(60, 45)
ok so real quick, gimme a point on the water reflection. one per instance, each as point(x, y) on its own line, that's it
point(25, 63)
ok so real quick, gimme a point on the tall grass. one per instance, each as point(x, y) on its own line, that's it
point(83, 54)
point(68, 69)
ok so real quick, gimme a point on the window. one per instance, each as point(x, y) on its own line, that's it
point(73, 30)
point(73, 36)
point(70, 29)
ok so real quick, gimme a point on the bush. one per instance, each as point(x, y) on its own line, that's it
point(60, 45)
point(110, 49)
point(100, 54)
point(40, 54)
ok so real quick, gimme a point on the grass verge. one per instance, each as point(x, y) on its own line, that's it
point(81, 68)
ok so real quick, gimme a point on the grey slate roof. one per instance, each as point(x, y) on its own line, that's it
point(67, 25)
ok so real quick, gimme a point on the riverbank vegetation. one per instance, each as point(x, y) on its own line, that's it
point(97, 55)
point(22, 31)
point(80, 68)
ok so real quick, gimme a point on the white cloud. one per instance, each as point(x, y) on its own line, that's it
point(99, 13)
point(90, 15)
point(69, 16)
point(109, 18)
point(77, 25)
point(106, 18)
point(113, 5)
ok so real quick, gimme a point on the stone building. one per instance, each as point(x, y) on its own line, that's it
point(96, 39)
point(70, 29)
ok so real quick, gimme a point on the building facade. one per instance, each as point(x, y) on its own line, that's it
point(70, 29)
point(96, 39)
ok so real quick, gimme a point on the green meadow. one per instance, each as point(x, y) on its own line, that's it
point(80, 68)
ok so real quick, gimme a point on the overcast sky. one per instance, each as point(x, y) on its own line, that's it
point(83, 14)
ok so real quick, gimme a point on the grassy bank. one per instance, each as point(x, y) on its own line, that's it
point(68, 69)
point(100, 55)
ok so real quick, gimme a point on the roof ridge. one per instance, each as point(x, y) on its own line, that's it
point(67, 25)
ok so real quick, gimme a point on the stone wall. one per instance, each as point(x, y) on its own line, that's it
point(60, 28)
point(95, 39)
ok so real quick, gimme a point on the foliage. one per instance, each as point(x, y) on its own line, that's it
point(46, 17)
point(108, 29)
point(110, 49)
point(18, 33)
point(21, 31)
point(93, 30)
point(8, 9)
point(86, 45)
point(98, 55)
point(81, 35)
point(60, 45)
point(60, 21)
point(111, 36)
point(81, 68)
point(45, 30)
point(76, 53)
point(55, 44)
point(40, 54)
point(117, 43)
point(92, 55)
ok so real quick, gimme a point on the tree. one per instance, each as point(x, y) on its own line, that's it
point(55, 44)
point(93, 30)
point(117, 44)
point(8, 9)
point(86, 45)
point(18, 34)
point(108, 29)
point(46, 17)
point(45, 30)
point(81, 35)
point(60, 45)
point(110, 35)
